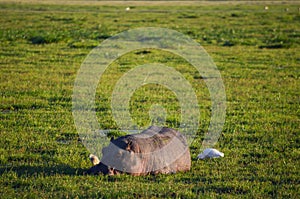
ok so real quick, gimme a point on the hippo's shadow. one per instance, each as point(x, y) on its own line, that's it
point(47, 170)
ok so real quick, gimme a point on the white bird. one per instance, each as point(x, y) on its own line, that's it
point(210, 153)
point(127, 9)
point(94, 159)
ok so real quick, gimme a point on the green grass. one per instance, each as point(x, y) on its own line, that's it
point(256, 51)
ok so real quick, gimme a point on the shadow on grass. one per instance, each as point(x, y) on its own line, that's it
point(28, 170)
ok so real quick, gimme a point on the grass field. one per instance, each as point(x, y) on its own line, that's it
point(256, 51)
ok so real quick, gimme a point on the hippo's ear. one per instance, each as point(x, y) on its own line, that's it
point(94, 159)
point(128, 148)
point(111, 171)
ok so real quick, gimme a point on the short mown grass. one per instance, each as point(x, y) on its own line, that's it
point(256, 51)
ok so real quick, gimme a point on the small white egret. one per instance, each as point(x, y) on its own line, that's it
point(210, 153)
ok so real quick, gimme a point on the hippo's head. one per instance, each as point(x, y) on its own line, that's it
point(112, 156)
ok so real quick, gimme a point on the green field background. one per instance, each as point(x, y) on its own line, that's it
point(254, 45)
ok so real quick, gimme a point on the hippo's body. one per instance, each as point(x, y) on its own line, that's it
point(155, 150)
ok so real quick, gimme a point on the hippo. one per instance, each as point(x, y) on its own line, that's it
point(156, 150)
